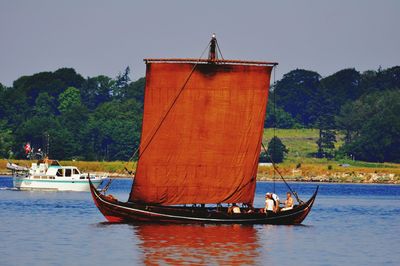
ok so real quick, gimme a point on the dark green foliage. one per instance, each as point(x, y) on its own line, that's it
point(93, 119)
point(114, 129)
point(33, 130)
point(2, 97)
point(121, 87)
point(136, 90)
point(6, 140)
point(96, 91)
point(99, 118)
point(51, 82)
point(324, 112)
point(373, 81)
point(278, 118)
point(45, 105)
point(326, 143)
point(342, 87)
point(276, 150)
point(372, 124)
point(295, 94)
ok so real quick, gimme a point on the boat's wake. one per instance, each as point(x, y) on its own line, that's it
point(8, 188)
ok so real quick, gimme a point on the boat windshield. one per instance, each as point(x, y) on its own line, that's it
point(68, 172)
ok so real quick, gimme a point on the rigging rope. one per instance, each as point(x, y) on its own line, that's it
point(107, 186)
point(162, 119)
point(276, 169)
point(159, 123)
point(219, 50)
point(274, 143)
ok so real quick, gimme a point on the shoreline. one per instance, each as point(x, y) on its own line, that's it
point(318, 171)
point(299, 179)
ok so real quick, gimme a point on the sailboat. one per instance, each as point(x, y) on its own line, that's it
point(200, 144)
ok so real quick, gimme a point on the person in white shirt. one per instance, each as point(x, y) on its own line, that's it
point(235, 208)
point(275, 198)
point(269, 203)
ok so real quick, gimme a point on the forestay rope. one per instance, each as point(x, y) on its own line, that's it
point(157, 126)
point(276, 169)
point(274, 120)
point(164, 116)
point(274, 147)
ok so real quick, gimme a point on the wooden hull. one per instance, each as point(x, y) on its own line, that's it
point(127, 212)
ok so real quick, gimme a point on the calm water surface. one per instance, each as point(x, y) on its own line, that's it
point(349, 225)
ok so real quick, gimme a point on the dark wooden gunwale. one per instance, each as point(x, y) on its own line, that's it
point(116, 211)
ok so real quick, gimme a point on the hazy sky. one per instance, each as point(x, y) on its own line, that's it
point(103, 37)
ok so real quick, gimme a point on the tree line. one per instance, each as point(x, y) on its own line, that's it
point(365, 106)
point(99, 118)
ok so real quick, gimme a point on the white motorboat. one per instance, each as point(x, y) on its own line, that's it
point(50, 175)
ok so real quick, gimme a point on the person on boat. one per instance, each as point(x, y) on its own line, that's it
point(288, 202)
point(27, 148)
point(275, 198)
point(233, 209)
point(269, 203)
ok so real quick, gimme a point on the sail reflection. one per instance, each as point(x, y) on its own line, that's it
point(198, 244)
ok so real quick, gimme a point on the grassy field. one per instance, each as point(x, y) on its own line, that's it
point(299, 164)
point(300, 142)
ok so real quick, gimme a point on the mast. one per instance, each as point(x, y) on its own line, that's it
point(212, 55)
point(202, 129)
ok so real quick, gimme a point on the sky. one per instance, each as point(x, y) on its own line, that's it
point(97, 37)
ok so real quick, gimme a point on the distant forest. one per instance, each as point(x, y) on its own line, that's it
point(99, 118)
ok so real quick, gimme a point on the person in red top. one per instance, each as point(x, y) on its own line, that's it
point(27, 148)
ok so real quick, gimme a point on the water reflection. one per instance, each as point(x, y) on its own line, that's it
point(197, 244)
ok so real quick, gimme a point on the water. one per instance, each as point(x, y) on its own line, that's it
point(349, 225)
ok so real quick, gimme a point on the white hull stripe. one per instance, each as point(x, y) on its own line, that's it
point(55, 181)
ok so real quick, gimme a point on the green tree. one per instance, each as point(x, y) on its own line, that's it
point(6, 140)
point(349, 120)
point(136, 90)
point(53, 83)
point(294, 93)
point(115, 129)
point(379, 80)
point(69, 99)
point(34, 130)
point(122, 84)
point(373, 126)
point(277, 150)
point(45, 105)
point(326, 143)
point(277, 117)
point(74, 117)
point(324, 112)
point(97, 90)
point(342, 87)
point(2, 100)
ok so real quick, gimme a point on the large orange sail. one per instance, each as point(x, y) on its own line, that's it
point(202, 131)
